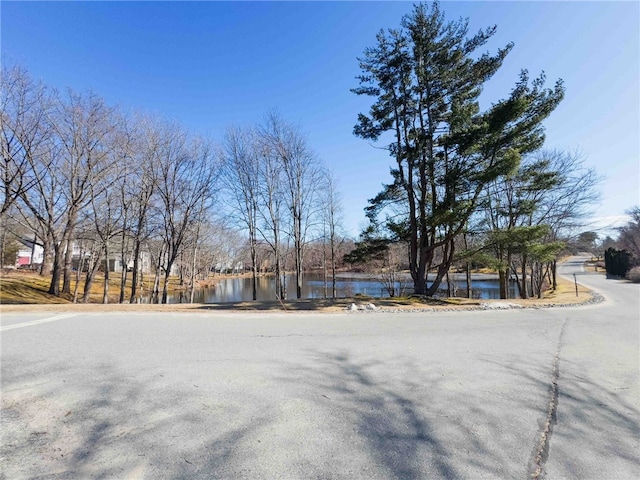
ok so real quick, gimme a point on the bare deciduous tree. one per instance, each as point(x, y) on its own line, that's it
point(187, 171)
point(272, 199)
point(302, 180)
point(242, 182)
point(629, 234)
point(108, 212)
point(24, 128)
point(332, 223)
point(24, 135)
point(140, 186)
point(82, 124)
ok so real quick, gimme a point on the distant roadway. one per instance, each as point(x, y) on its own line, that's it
point(511, 394)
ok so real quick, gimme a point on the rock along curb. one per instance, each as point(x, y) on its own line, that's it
point(595, 298)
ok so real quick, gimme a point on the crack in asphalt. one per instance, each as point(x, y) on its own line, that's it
point(541, 451)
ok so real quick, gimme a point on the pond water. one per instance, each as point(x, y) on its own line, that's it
point(313, 286)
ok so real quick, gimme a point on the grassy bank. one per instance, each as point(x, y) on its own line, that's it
point(29, 289)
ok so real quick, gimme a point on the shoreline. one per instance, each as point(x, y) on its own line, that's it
point(565, 295)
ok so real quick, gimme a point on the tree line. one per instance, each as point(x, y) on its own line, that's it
point(90, 183)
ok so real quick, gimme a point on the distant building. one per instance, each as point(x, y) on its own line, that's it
point(30, 254)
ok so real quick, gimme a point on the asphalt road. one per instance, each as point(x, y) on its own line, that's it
point(483, 394)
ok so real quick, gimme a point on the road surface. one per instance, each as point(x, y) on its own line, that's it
point(482, 394)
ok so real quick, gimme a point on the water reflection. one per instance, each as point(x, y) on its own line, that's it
point(313, 286)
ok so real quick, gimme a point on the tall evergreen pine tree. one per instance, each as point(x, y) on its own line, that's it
point(426, 80)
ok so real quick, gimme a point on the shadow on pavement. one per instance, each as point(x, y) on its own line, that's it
point(406, 424)
point(112, 426)
point(333, 415)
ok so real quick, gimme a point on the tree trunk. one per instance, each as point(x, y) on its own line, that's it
point(278, 273)
point(79, 270)
point(443, 268)
point(518, 284)
point(504, 287)
point(536, 286)
point(507, 275)
point(298, 265)
point(193, 274)
point(124, 261)
point(333, 269)
point(181, 271)
point(419, 276)
point(156, 284)
point(523, 290)
point(88, 283)
point(254, 270)
point(324, 268)
point(105, 290)
point(3, 239)
point(47, 265)
point(284, 277)
point(134, 274)
point(437, 281)
point(68, 257)
point(33, 250)
point(123, 282)
point(467, 268)
point(56, 271)
point(165, 284)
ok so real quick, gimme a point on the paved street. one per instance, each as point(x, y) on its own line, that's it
point(309, 395)
point(598, 415)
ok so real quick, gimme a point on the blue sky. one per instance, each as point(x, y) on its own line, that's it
point(212, 64)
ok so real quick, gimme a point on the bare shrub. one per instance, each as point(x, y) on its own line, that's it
point(634, 274)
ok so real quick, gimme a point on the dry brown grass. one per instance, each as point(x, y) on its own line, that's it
point(565, 294)
point(27, 287)
point(18, 287)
